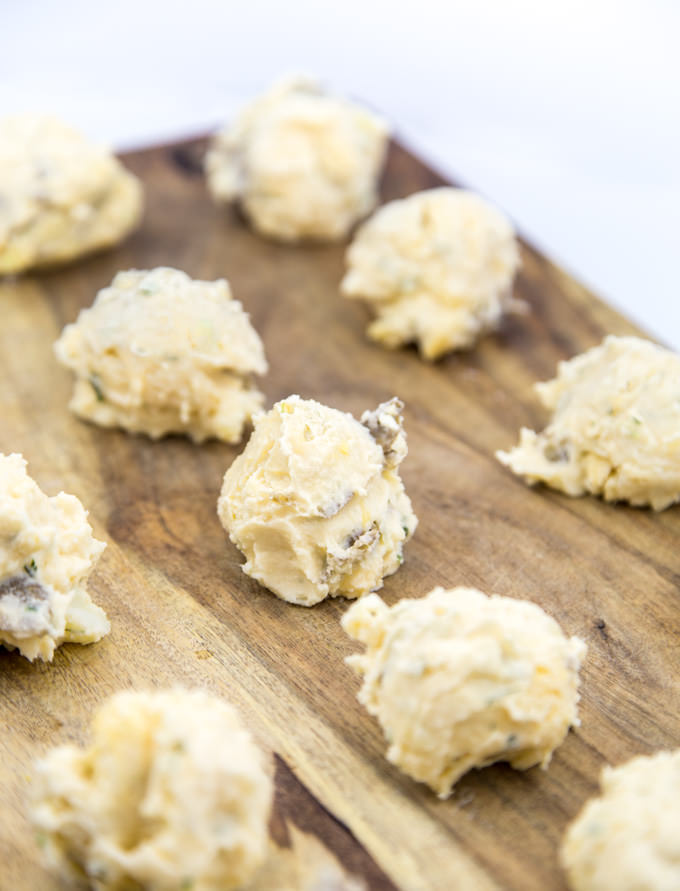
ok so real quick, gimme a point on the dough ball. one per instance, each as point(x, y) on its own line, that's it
point(460, 680)
point(316, 503)
point(60, 195)
point(158, 353)
point(628, 839)
point(302, 164)
point(437, 269)
point(615, 426)
point(46, 553)
point(171, 794)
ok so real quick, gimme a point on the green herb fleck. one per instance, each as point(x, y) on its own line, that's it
point(400, 558)
point(96, 384)
point(31, 608)
point(187, 884)
point(405, 530)
point(31, 568)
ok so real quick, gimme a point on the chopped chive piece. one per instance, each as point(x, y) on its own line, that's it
point(96, 384)
point(30, 568)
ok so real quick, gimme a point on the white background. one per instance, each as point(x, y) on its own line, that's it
point(566, 114)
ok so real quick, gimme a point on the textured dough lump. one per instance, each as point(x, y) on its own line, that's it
point(437, 269)
point(46, 553)
point(159, 353)
point(171, 794)
point(615, 426)
point(315, 501)
point(303, 164)
point(458, 680)
point(628, 839)
point(60, 195)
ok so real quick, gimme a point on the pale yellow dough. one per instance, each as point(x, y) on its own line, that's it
point(159, 353)
point(303, 164)
point(460, 680)
point(436, 268)
point(172, 794)
point(316, 503)
point(628, 839)
point(46, 553)
point(615, 426)
point(60, 195)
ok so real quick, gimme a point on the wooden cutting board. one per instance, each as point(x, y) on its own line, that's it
point(183, 612)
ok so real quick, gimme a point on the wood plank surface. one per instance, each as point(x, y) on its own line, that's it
point(182, 610)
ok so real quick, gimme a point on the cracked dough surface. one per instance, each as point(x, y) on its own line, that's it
point(303, 164)
point(160, 353)
point(459, 680)
point(171, 794)
point(615, 426)
point(628, 838)
point(436, 268)
point(60, 195)
point(315, 502)
point(46, 553)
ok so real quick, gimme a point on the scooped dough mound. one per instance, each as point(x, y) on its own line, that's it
point(460, 680)
point(437, 269)
point(615, 426)
point(303, 164)
point(171, 794)
point(315, 502)
point(159, 353)
point(60, 195)
point(628, 839)
point(46, 553)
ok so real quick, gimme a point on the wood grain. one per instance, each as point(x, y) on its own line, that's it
point(182, 611)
